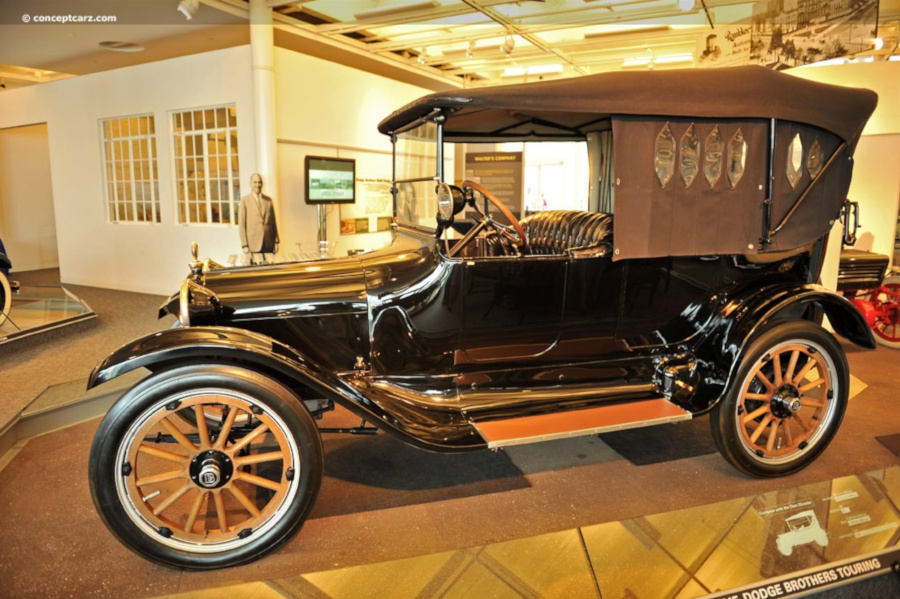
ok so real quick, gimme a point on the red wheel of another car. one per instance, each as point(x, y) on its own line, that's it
point(887, 326)
point(786, 402)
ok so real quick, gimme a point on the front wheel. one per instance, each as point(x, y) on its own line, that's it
point(201, 493)
point(786, 402)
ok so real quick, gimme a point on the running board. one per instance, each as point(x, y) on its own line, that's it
point(575, 423)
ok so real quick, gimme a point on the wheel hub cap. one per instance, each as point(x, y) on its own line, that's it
point(211, 469)
point(786, 401)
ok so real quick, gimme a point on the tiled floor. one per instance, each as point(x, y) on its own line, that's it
point(680, 554)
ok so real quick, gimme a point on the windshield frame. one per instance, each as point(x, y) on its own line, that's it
point(438, 118)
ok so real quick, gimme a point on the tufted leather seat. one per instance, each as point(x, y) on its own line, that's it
point(559, 231)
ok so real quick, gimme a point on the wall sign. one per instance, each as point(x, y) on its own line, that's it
point(373, 209)
point(500, 173)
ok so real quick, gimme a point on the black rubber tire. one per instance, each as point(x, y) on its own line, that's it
point(731, 433)
point(5, 298)
point(128, 513)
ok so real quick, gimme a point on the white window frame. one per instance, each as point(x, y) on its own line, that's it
point(207, 183)
point(130, 169)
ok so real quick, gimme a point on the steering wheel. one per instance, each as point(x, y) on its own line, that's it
point(519, 239)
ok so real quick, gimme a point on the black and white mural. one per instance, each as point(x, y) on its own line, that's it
point(789, 33)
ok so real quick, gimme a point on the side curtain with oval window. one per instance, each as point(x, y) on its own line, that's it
point(688, 187)
point(801, 153)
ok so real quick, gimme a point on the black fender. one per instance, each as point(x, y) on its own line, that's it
point(4, 261)
point(740, 318)
point(429, 429)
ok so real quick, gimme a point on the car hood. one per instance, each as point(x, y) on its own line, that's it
point(314, 287)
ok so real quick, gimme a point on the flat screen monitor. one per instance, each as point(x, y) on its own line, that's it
point(330, 180)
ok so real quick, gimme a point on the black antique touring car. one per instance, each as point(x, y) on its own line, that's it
point(687, 285)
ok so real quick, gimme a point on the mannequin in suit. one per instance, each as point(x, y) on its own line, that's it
point(259, 232)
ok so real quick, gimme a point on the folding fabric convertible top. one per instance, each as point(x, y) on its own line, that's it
point(578, 103)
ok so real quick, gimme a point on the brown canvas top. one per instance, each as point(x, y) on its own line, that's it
point(576, 105)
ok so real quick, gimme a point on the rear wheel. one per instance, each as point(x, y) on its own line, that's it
point(5, 298)
point(786, 402)
point(199, 492)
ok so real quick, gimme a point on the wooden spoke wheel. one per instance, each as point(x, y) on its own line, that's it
point(787, 400)
point(191, 490)
point(886, 301)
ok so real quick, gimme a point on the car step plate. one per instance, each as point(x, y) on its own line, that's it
point(575, 423)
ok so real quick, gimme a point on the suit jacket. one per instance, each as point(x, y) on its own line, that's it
point(259, 232)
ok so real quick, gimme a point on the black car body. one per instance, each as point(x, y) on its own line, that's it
point(694, 290)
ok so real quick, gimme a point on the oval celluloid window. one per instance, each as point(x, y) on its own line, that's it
point(737, 158)
point(794, 161)
point(689, 165)
point(664, 157)
point(814, 161)
point(712, 157)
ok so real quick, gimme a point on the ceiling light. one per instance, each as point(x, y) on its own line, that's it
point(686, 5)
point(541, 69)
point(879, 43)
point(638, 61)
point(629, 31)
point(423, 56)
point(470, 51)
point(189, 8)
point(396, 9)
point(545, 69)
point(508, 45)
point(514, 72)
point(673, 58)
point(121, 46)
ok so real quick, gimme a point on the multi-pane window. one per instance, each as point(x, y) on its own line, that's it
point(130, 173)
point(207, 180)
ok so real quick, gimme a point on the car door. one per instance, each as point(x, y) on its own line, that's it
point(512, 307)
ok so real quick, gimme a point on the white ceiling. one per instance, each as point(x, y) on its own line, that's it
point(434, 43)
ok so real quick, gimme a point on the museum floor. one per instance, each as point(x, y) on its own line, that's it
point(653, 514)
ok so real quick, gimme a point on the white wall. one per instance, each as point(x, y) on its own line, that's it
point(332, 109)
point(876, 171)
point(139, 257)
point(27, 226)
point(326, 109)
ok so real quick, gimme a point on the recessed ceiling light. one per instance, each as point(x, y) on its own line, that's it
point(121, 46)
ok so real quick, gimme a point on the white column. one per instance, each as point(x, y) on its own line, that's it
point(262, 48)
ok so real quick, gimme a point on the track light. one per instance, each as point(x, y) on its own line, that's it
point(508, 45)
point(470, 51)
point(189, 8)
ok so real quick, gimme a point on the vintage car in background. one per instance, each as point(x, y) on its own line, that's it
point(863, 279)
point(686, 285)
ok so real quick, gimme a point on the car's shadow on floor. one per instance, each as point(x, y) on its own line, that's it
point(379, 472)
point(663, 443)
point(364, 473)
